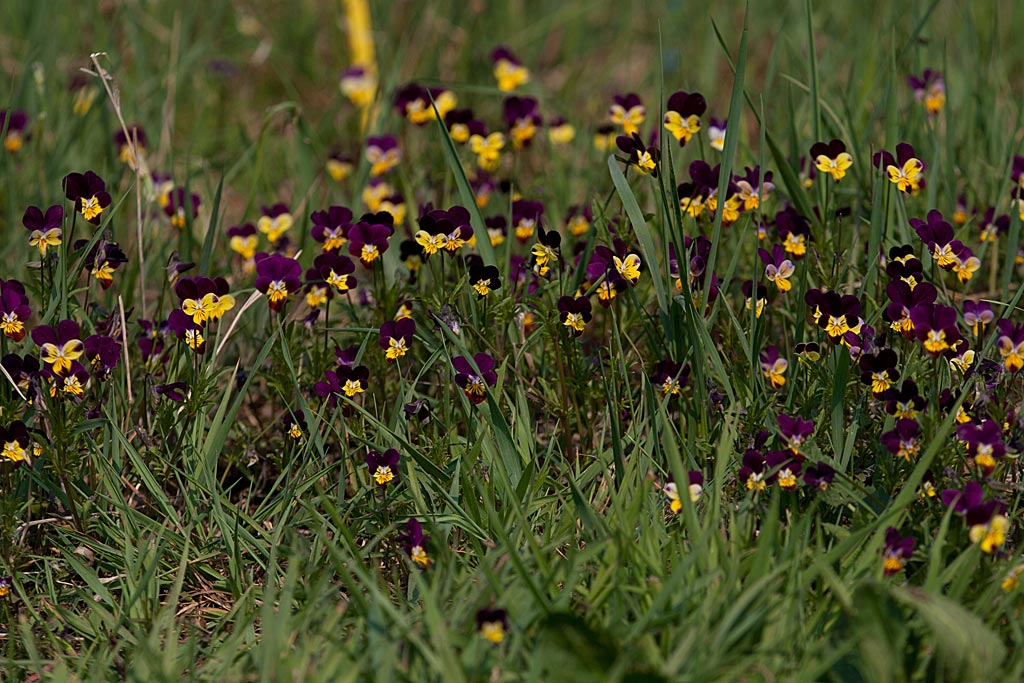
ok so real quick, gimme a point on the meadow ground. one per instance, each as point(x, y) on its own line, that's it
point(511, 341)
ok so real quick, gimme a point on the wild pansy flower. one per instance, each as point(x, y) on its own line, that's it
point(21, 369)
point(716, 133)
point(359, 85)
point(990, 226)
point(835, 314)
point(960, 214)
point(383, 154)
point(795, 431)
point(627, 111)
point(395, 338)
point(794, 230)
point(987, 524)
point(753, 473)
point(785, 469)
point(102, 260)
point(14, 310)
point(526, 216)
point(487, 149)
point(187, 330)
point(59, 346)
point(966, 264)
point(274, 221)
point(44, 229)
point(509, 72)
point(474, 382)
point(88, 192)
point(522, 119)
point(808, 352)
point(182, 207)
point(902, 440)
point(394, 205)
point(898, 550)
point(347, 380)
point(136, 138)
point(442, 230)
point(694, 489)
point(339, 166)
point(819, 475)
point(70, 382)
point(336, 270)
point(904, 265)
point(977, 315)
point(368, 239)
point(1011, 344)
point(484, 279)
point(492, 624)
point(574, 313)
point(163, 184)
point(878, 371)
point(414, 102)
point(935, 327)
point(415, 543)
point(905, 170)
point(461, 125)
point(670, 377)
point(546, 252)
point(1012, 579)
point(682, 115)
point(13, 125)
point(778, 268)
point(774, 366)
point(902, 299)
point(755, 299)
point(383, 466)
point(832, 158)
point(938, 235)
point(103, 354)
point(293, 424)
point(578, 220)
point(753, 187)
point(905, 402)
point(243, 240)
point(412, 257)
point(483, 186)
point(203, 298)
point(278, 277)
point(151, 343)
point(604, 137)
point(930, 89)
point(646, 160)
point(984, 443)
point(560, 131)
point(15, 442)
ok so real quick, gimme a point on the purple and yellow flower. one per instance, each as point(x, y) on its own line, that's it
point(45, 229)
point(808, 352)
point(837, 315)
point(335, 270)
point(990, 226)
point(903, 298)
point(187, 330)
point(59, 346)
point(794, 230)
point(819, 475)
point(898, 550)
point(682, 115)
point(978, 315)
point(774, 366)
point(832, 158)
point(1011, 344)
point(204, 298)
point(986, 522)
point(604, 137)
point(753, 473)
point(368, 239)
point(359, 85)
point(878, 371)
point(784, 468)
point(522, 119)
point(755, 297)
point(278, 277)
point(128, 146)
point(275, 221)
point(383, 154)
point(984, 443)
point(578, 220)
point(795, 431)
point(935, 327)
point(716, 133)
point(509, 72)
point(88, 192)
point(346, 380)
point(560, 131)
point(14, 310)
point(778, 269)
point(102, 260)
point(474, 382)
point(546, 252)
point(670, 377)
point(484, 279)
point(13, 125)
point(383, 466)
point(182, 207)
point(330, 227)
point(905, 402)
point(930, 89)
point(646, 160)
point(243, 240)
point(103, 354)
point(938, 235)
point(339, 166)
point(487, 149)
point(628, 112)
point(902, 440)
point(694, 489)
point(413, 101)
point(22, 369)
point(492, 624)
point(574, 313)
point(16, 444)
point(461, 125)
point(752, 189)
point(526, 216)
point(396, 337)
point(415, 543)
point(905, 171)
